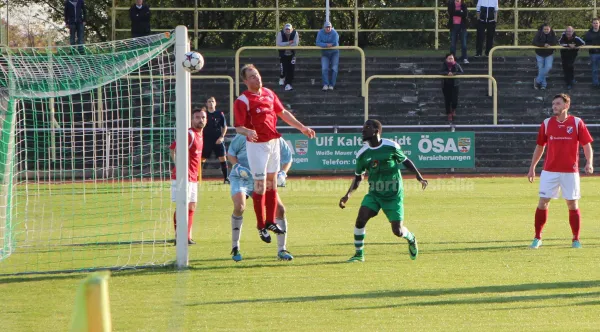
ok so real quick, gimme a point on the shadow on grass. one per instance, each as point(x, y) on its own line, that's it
point(487, 300)
point(436, 292)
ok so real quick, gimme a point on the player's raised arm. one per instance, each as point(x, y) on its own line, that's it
point(411, 167)
point(290, 119)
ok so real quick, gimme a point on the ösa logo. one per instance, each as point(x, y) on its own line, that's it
point(437, 145)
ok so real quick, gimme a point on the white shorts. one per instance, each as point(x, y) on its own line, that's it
point(552, 183)
point(192, 191)
point(263, 158)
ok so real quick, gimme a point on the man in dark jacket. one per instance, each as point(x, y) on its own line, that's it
point(592, 38)
point(140, 19)
point(544, 38)
point(287, 58)
point(450, 86)
point(457, 23)
point(75, 17)
point(568, 56)
point(487, 16)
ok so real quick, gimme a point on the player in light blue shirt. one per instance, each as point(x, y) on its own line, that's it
point(242, 185)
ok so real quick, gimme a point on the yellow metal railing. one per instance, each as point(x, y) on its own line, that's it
point(437, 11)
point(388, 77)
point(528, 47)
point(354, 48)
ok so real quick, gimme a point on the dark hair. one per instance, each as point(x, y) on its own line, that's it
point(201, 109)
point(595, 19)
point(565, 97)
point(447, 55)
point(211, 97)
point(245, 69)
point(376, 124)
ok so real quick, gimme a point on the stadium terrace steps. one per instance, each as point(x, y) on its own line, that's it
point(420, 101)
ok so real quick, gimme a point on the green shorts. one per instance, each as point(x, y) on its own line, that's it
point(392, 207)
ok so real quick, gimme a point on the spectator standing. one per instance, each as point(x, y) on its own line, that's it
point(328, 38)
point(487, 17)
point(450, 86)
point(75, 17)
point(214, 136)
point(569, 40)
point(457, 23)
point(139, 13)
point(287, 58)
point(592, 38)
point(544, 38)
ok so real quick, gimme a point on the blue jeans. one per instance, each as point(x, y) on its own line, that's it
point(329, 61)
point(544, 65)
point(595, 59)
point(455, 32)
point(76, 29)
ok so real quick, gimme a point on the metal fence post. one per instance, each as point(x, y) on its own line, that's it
point(355, 22)
point(437, 32)
point(113, 20)
point(516, 23)
point(195, 24)
point(277, 15)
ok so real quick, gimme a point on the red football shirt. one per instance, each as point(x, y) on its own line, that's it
point(563, 139)
point(195, 154)
point(258, 111)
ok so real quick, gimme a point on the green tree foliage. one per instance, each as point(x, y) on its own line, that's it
point(99, 20)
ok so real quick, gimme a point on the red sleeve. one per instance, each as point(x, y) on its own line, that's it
point(173, 145)
point(542, 139)
point(584, 136)
point(240, 111)
point(277, 105)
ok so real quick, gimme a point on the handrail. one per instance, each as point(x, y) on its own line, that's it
point(196, 77)
point(523, 47)
point(489, 77)
point(355, 48)
point(277, 10)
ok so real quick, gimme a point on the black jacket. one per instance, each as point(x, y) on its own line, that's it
point(140, 20)
point(565, 41)
point(487, 14)
point(592, 39)
point(463, 13)
point(75, 14)
point(542, 39)
point(455, 69)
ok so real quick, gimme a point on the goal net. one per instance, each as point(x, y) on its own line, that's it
point(84, 158)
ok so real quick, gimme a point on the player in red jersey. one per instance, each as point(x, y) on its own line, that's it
point(562, 134)
point(256, 111)
point(195, 145)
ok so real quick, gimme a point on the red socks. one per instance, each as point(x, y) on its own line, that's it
point(575, 222)
point(540, 220)
point(271, 205)
point(190, 222)
point(259, 209)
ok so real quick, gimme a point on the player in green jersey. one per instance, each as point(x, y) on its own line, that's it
point(382, 159)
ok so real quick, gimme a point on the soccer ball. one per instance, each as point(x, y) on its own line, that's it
point(193, 61)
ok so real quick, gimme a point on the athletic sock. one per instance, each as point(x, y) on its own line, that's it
point(224, 169)
point(190, 223)
point(258, 201)
point(270, 205)
point(359, 240)
point(282, 238)
point(575, 222)
point(410, 237)
point(541, 216)
point(236, 230)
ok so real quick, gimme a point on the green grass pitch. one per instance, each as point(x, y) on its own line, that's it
point(474, 271)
